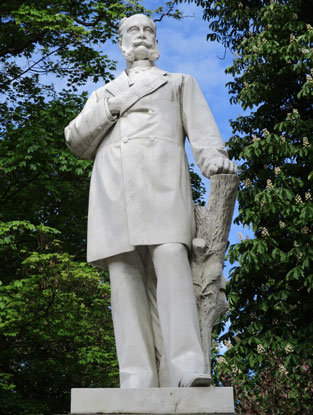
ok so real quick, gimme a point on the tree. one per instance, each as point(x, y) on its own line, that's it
point(271, 283)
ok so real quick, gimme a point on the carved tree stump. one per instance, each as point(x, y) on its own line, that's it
point(208, 252)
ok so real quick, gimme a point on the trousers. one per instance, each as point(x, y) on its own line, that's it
point(177, 311)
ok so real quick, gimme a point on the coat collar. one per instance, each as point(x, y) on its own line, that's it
point(120, 85)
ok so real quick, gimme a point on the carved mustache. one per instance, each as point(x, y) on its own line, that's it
point(145, 43)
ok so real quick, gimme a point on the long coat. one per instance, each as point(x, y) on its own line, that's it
point(140, 191)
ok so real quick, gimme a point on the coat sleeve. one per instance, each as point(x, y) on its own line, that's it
point(84, 134)
point(200, 127)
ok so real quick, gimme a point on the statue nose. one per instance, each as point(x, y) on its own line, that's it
point(141, 34)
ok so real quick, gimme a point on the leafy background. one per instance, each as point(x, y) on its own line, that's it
point(55, 323)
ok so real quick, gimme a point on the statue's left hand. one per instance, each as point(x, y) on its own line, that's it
point(220, 165)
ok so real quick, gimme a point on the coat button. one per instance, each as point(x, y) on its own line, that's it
point(100, 128)
point(125, 139)
point(150, 112)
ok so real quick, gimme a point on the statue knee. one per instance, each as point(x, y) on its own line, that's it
point(169, 250)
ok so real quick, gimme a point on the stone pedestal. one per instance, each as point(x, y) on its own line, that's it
point(204, 401)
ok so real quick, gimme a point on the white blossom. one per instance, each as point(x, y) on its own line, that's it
point(265, 232)
point(247, 182)
point(298, 199)
point(309, 78)
point(282, 370)
point(228, 344)
point(305, 142)
point(260, 349)
point(288, 348)
point(266, 132)
point(221, 360)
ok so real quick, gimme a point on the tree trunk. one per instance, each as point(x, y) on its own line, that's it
point(208, 253)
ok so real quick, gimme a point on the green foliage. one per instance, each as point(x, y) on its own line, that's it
point(55, 321)
point(198, 189)
point(271, 282)
point(270, 388)
point(56, 330)
point(63, 38)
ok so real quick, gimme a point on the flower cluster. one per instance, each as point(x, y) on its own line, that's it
point(228, 344)
point(247, 182)
point(288, 348)
point(277, 170)
point(309, 78)
point(305, 230)
point(265, 232)
point(282, 224)
point(221, 360)
point(266, 132)
point(260, 349)
point(282, 370)
point(269, 184)
point(308, 196)
point(305, 142)
point(298, 199)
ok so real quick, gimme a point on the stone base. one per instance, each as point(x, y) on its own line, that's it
point(204, 401)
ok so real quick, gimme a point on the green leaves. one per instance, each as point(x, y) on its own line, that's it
point(271, 280)
point(51, 312)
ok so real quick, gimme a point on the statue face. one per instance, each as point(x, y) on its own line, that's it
point(138, 40)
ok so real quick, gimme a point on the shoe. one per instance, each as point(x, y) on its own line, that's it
point(191, 380)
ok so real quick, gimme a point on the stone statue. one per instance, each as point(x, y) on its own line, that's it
point(141, 220)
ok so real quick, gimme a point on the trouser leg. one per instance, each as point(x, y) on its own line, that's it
point(132, 322)
point(177, 310)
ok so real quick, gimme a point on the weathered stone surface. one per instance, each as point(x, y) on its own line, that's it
point(153, 401)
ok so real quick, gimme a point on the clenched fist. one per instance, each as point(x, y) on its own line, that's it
point(220, 165)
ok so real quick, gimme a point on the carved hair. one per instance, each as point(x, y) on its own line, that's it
point(121, 27)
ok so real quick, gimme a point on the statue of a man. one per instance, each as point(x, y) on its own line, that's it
point(141, 203)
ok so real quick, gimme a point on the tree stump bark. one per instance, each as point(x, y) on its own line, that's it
point(208, 253)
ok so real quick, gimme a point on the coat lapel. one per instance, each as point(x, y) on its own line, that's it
point(120, 85)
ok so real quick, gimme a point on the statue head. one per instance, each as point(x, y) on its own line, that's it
point(137, 39)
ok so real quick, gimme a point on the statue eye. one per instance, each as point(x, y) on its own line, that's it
point(133, 29)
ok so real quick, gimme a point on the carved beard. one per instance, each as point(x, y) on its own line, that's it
point(153, 52)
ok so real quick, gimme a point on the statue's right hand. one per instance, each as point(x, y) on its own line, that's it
point(115, 104)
